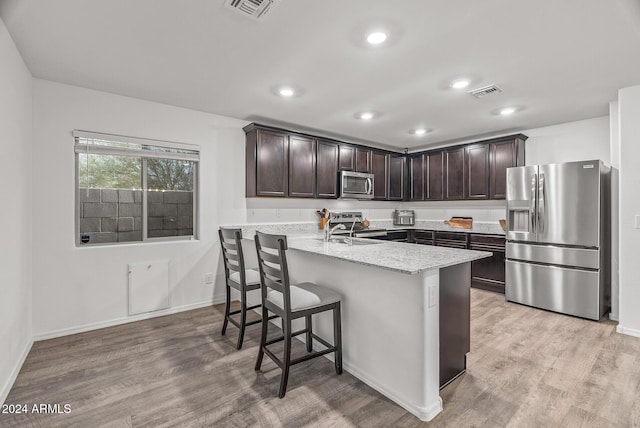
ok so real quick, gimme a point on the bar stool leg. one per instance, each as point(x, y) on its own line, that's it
point(308, 327)
point(337, 338)
point(243, 318)
point(263, 338)
point(226, 311)
point(286, 361)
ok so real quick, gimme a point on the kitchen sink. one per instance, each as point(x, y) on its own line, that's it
point(353, 241)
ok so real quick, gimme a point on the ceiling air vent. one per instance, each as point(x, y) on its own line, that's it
point(254, 9)
point(485, 90)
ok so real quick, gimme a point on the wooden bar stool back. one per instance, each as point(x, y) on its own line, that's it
point(239, 278)
point(290, 302)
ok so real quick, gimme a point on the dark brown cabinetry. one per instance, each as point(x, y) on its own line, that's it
point(327, 154)
point(397, 177)
point(363, 160)
point(302, 167)
point(488, 273)
point(454, 166)
point(380, 169)
point(347, 158)
point(502, 155)
point(477, 171)
point(267, 163)
point(424, 237)
point(450, 239)
point(281, 163)
point(434, 176)
point(417, 177)
point(396, 236)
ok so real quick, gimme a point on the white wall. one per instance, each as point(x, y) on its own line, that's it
point(629, 194)
point(615, 204)
point(83, 288)
point(573, 141)
point(15, 217)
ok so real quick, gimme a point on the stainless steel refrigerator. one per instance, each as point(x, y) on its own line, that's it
point(558, 237)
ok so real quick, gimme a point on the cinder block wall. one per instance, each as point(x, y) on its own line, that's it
point(115, 215)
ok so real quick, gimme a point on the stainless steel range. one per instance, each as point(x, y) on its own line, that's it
point(352, 221)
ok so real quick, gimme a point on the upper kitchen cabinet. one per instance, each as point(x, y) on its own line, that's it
point(434, 176)
point(302, 167)
point(267, 162)
point(363, 160)
point(454, 166)
point(417, 169)
point(380, 170)
point(327, 169)
point(477, 171)
point(347, 157)
point(397, 177)
point(503, 154)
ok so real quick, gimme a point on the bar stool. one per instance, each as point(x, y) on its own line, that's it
point(238, 277)
point(290, 302)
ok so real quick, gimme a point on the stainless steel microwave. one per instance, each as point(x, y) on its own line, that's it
point(356, 185)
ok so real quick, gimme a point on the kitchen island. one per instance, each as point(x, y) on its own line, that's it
point(394, 297)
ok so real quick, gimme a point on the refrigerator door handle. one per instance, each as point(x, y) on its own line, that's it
point(541, 203)
point(532, 203)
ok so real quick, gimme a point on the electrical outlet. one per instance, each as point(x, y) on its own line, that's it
point(208, 278)
point(433, 296)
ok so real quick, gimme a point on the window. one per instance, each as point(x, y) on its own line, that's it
point(132, 190)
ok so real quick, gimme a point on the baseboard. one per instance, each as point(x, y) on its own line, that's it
point(118, 321)
point(422, 413)
point(4, 392)
point(628, 331)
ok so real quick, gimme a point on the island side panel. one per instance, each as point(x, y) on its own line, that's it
point(389, 327)
point(455, 321)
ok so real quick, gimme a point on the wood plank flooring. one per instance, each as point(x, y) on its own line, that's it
point(527, 368)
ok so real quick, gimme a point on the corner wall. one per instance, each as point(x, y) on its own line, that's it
point(629, 196)
point(15, 217)
point(77, 289)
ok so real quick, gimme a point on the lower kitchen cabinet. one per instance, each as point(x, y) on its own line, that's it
point(424, 237)
point(451, 239)
point(488, 273)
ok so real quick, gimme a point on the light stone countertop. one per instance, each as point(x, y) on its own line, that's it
point(306, 227)
point(490, 228)
point(395, 256)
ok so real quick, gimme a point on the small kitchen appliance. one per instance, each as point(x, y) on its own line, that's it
point(404, 218)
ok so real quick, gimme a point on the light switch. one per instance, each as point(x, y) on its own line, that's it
point(637, 226)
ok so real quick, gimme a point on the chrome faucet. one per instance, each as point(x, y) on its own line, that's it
point(328, 230)
point(349, 240)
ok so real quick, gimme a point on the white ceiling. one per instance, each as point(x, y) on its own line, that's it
point(558, 60)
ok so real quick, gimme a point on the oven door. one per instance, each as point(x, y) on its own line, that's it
point(356, 185)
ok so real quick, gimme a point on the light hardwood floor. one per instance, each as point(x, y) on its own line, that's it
point(527, 368)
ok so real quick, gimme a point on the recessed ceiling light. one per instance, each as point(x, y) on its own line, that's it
point(459, 84)
point(286, 92)
point(507, 111)
point(366, 115)
point(376, 38)
point(420, 131)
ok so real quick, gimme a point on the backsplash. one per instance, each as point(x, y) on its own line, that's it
point(299, 210)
